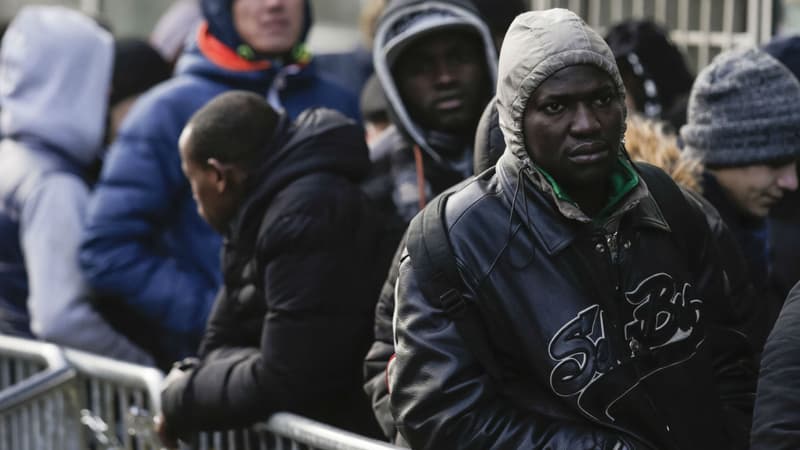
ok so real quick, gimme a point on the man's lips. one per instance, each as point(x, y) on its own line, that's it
point(771, 199)
point(588, 152)
point(274, 25)
point(448, 104)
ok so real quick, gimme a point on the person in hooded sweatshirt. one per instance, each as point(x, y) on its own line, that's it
point(293, 318)
point(144, 242)
point(593, 283)
point(436, 65)
point(52, 123)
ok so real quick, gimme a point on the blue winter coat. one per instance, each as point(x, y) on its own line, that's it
point(144, 240)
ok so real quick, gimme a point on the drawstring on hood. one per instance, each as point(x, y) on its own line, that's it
point(527, 218)
point(403, 23)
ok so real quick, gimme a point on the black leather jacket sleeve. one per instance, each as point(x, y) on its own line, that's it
point(441, 398)
point(776, 420)
point(381, 352)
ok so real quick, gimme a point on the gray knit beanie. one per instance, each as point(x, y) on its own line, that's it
point(744, 109)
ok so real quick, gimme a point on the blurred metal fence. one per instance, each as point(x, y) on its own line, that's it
point(701, 28)
point(54, 399)
point(115, 398)
point(38, 402)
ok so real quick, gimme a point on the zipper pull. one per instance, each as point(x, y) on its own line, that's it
point(611, 242)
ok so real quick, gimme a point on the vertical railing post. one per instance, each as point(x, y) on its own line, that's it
point(766, 22)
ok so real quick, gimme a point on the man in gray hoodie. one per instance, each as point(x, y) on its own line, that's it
point(55, 76)
point(585, 305)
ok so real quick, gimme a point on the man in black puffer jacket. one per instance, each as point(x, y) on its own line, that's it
point(293, 319)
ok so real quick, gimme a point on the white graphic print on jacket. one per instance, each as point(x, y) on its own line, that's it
point(664, 315)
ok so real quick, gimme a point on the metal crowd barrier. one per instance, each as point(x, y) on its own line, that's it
point(286, 431)
point(116, 398)
point(63, 399)
point(38, 401)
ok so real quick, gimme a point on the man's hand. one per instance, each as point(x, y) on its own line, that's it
point(179, 370)
point(162, 431)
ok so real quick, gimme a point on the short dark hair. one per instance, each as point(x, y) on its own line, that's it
point(234, 128)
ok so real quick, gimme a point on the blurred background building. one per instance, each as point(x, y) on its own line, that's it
point(701, 28)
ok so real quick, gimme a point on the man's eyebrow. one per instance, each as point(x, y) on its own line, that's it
point(546, 98)
point(559, 96)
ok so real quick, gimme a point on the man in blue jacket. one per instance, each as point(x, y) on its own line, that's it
point(144, 241)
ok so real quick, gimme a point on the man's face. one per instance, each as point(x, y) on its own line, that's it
point(573, 125)
point(214, 203)
point(443, 81)
point(755, 189)
point(270, 27)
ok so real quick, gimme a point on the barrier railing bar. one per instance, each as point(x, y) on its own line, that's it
point(26, 390)
point(753, 19)
point(67, 371)
point(318, 435)
point(46, 353)
point(661, 12)
point(766, 22)
point(119, 372)
point(638, 8)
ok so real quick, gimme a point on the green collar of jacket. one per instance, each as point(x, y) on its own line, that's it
point(623, 179)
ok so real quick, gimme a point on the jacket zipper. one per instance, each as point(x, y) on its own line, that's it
point(603, 243)
point(636, 347)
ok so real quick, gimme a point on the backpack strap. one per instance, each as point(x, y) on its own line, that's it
point(439, 279)
point(673, 204)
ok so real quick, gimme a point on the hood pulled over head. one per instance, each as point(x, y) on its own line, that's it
point(537, 45)
point(219, 15)
point(55, 78)
point(403, 23)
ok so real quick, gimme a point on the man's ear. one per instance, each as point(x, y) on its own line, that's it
point(227, 175)
point(221, 178)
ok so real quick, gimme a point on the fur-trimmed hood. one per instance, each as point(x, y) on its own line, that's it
point(646, 140)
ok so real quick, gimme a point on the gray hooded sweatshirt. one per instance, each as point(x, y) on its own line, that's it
point(55, 75)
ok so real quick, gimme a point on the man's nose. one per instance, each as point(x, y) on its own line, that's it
point(584, 121)
point(787, 177)
point(444, 73)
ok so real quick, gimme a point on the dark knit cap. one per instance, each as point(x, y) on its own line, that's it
point(744, 109)
point(137, 68)
point(786, 49)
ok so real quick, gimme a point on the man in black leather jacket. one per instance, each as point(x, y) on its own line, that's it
point(293, 320)
point(597, 283)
